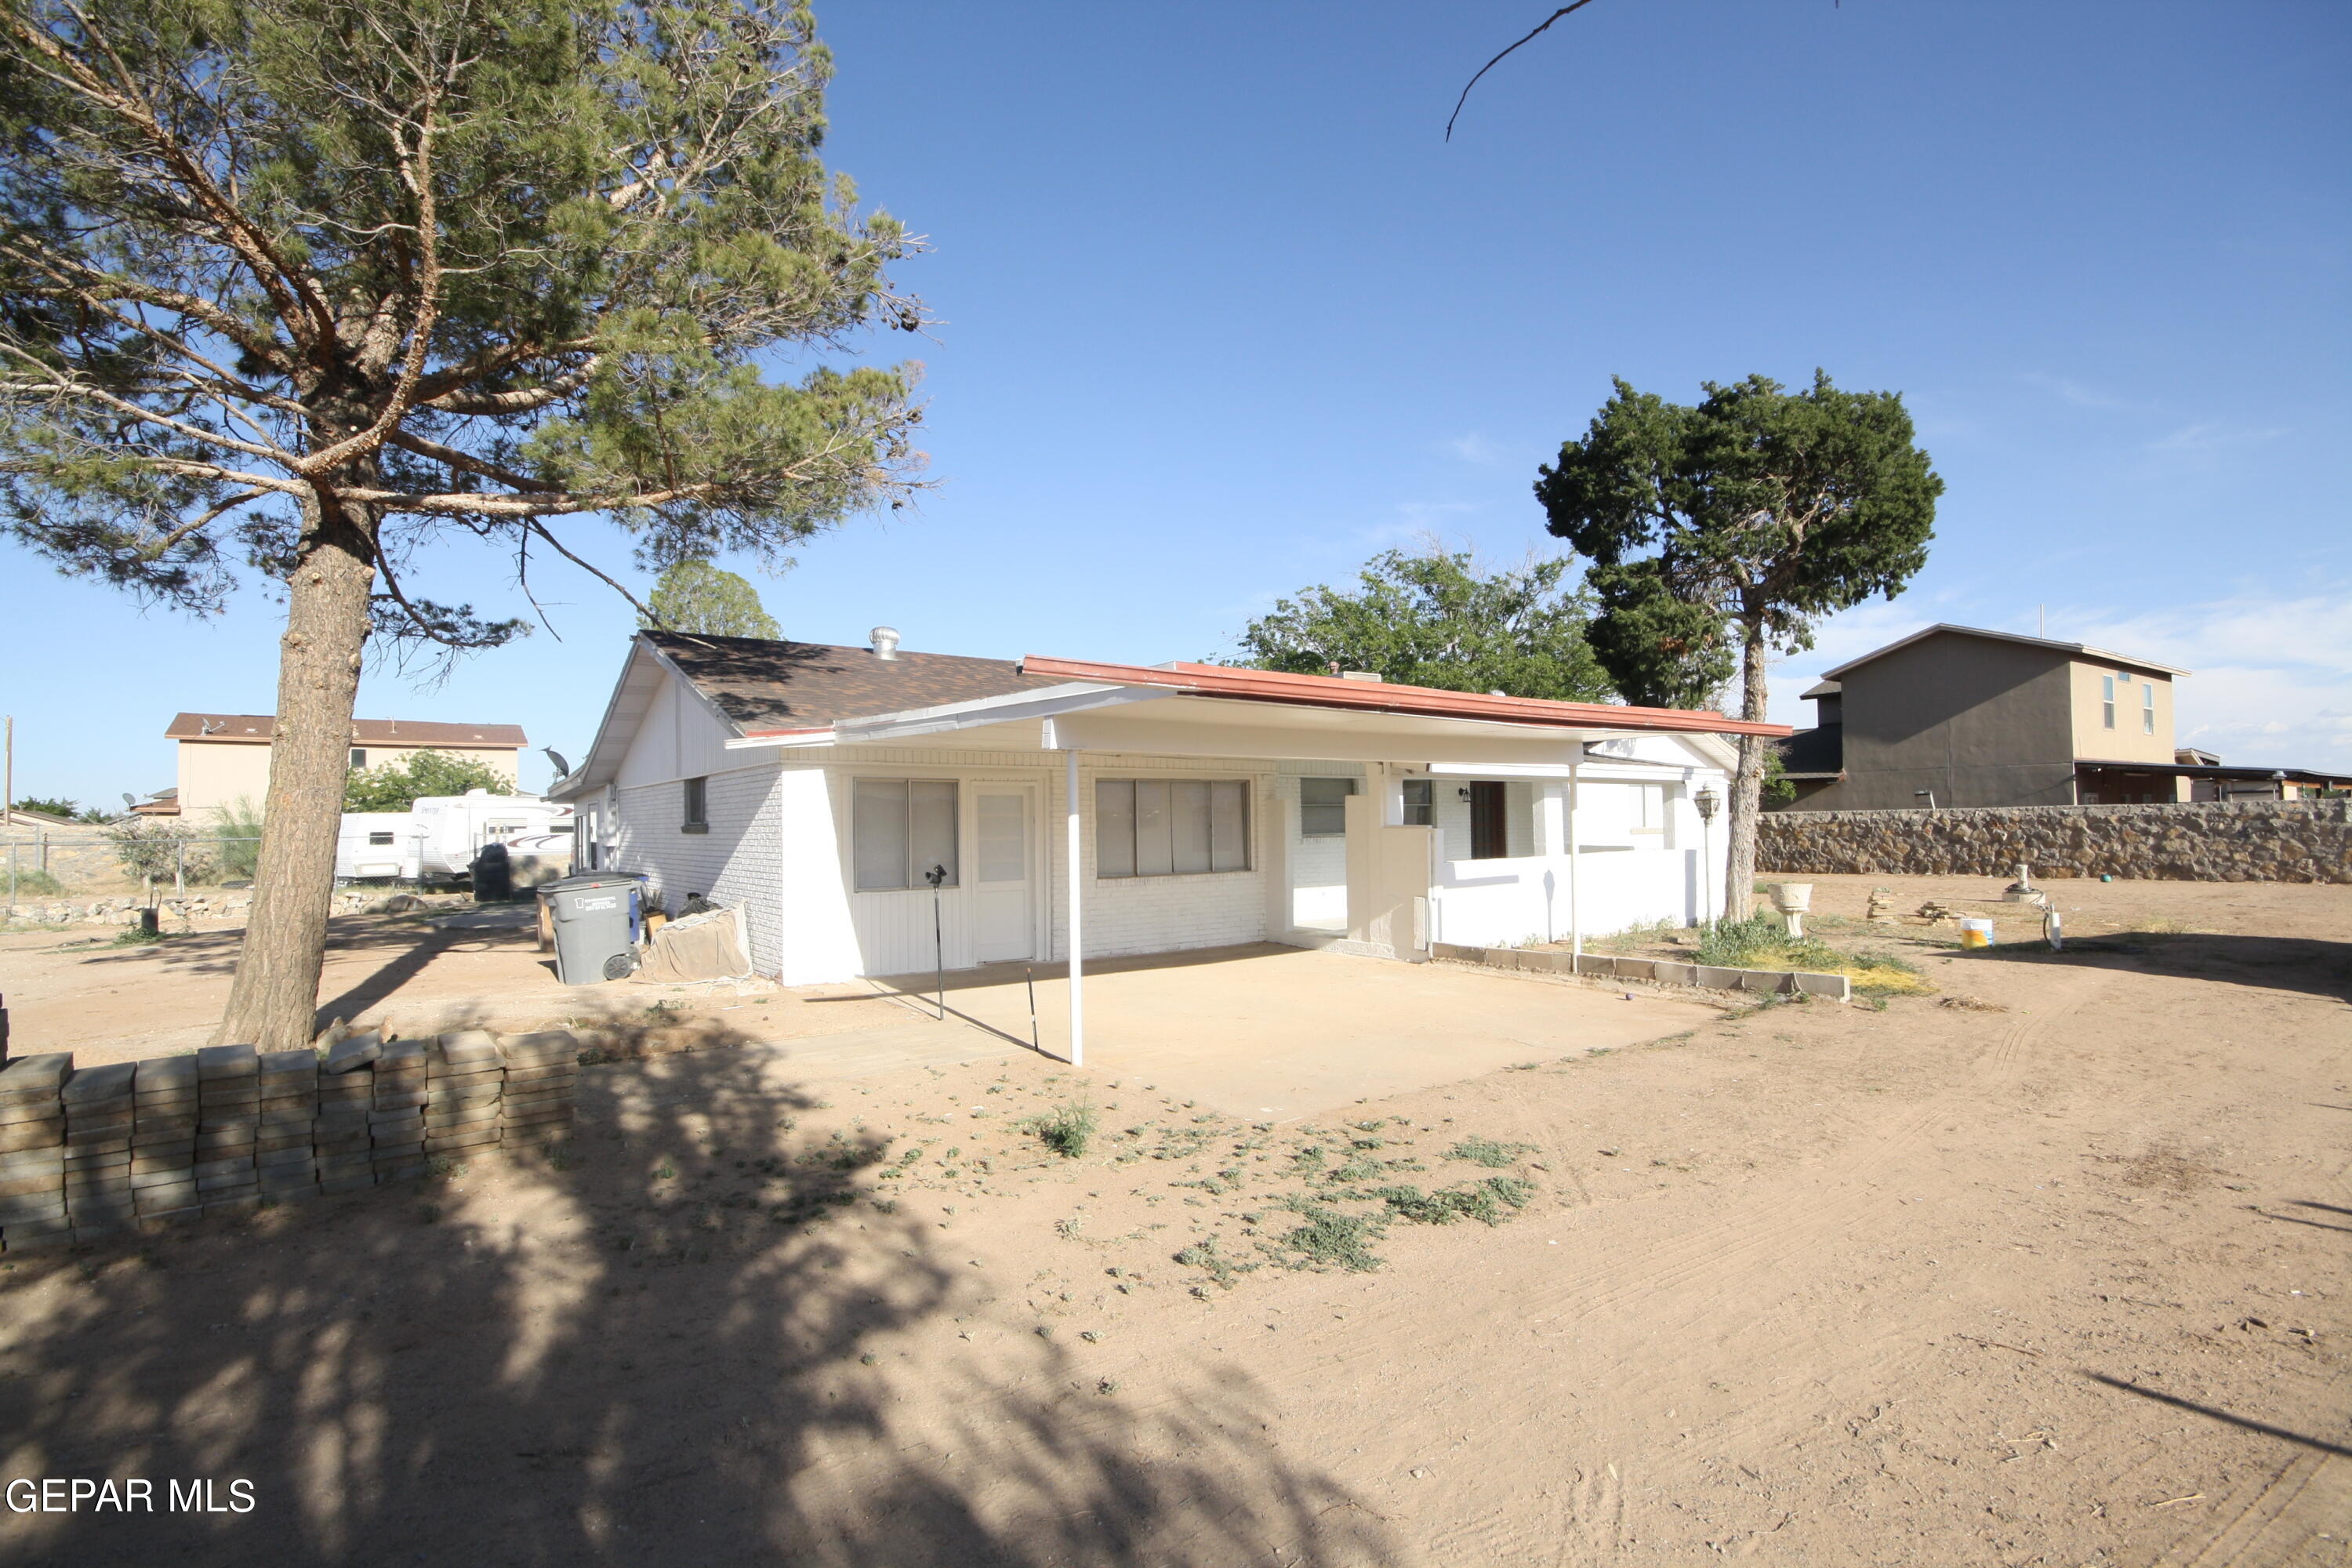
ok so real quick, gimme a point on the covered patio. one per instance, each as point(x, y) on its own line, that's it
point(1273, 1033)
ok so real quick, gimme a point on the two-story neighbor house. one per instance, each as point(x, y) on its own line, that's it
point(224, 757)
point(1960, 716)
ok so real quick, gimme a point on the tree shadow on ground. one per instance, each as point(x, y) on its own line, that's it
point(695, 1337)
point(2273, 962)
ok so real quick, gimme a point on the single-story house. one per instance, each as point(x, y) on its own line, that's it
point(825, 790)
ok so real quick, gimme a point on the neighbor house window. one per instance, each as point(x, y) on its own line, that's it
point(1323, 807)
point(2107, 700)
point(1421, 802)
point(2147, 709)
point(697, 806)
point(1170, 828)
point(359, 757)
point(903, 829)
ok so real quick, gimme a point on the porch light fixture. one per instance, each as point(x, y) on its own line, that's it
point(1706, 800)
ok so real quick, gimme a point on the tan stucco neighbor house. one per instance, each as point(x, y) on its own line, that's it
point(224, 757)
point(1961, 716)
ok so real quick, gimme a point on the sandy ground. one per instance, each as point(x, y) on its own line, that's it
point(2057, 1277)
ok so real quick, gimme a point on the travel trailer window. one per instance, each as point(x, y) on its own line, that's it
point(1323, 807)
point(1170, 828)
point(900, 829)
point(379, 838)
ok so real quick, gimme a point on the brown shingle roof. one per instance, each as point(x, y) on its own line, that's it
point(256, 727)
point(763, 685)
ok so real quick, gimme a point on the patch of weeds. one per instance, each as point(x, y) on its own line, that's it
point(1640, 934)
point(1330, 1239)
point(1204, 1255)
point(1066, 1130)
point(1487, 1152)
point(1107, 1385)
point(1884, 975)
point(136, 936)
point(429, 1213)
point(1489, 1202)
point(1068, 1229)
point(666, 1173)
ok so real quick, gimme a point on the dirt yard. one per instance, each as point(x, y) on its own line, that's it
point(2046, 1268)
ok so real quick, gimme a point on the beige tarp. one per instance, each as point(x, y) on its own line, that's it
point(707, 946)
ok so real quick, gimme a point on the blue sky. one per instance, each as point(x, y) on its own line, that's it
point(1221, 316)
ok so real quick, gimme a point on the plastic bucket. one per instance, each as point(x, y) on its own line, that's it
point(1976, 933)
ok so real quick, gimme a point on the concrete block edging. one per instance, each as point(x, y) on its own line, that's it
point(1656, 970)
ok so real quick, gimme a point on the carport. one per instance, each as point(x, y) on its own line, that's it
point(1272, 1033)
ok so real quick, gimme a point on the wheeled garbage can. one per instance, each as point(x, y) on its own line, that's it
point(596, 918)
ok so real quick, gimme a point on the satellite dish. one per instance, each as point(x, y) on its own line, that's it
point(561, 767)
point(129, 801)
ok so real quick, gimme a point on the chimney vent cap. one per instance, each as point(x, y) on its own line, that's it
point(886, 642)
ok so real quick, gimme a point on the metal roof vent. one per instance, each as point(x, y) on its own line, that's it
point(1361, 675)
point(886, 642)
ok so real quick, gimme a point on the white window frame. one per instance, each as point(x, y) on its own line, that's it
point(1347, 788)
point(1137, 864)
point(1648, 815)
point(1420, 802)
point(913, 874)
point(2107, 700)
point(2148, 708)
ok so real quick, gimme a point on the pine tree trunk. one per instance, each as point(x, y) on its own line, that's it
point(1746, 783)
point(271, 1003)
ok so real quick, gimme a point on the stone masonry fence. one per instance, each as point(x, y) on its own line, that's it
point(94, 1153)
point(2237, 841)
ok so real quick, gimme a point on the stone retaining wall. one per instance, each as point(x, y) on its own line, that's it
point(95, 1153)
point(2238, 841)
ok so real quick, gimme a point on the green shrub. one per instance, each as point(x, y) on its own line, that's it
point(1489, 1202)
point(1487, 1151)
point(32, 882)
point(1330, 1239)
point(1066, 1130)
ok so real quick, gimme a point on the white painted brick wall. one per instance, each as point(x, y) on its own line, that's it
point(1163, 914)
point(736, 863)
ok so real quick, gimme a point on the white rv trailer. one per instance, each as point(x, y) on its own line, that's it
point(447, 830)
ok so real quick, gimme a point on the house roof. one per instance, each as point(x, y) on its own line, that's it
point(2072, 649)
point(1815, 753)
point(763, 686)
point(1380, 697)
point(1820, 689)
point(255, 729)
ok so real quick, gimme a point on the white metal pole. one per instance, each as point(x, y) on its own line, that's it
point(1074, 848)
point(1575, 914)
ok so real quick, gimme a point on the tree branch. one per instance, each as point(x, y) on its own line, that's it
point(1490, 64)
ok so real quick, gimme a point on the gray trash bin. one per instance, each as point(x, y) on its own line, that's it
point(596, 918)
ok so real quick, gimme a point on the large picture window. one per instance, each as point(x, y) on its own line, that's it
point(1323, 807)
point(1170, 828)
point(901, 828)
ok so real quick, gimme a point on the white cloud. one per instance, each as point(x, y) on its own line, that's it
point(2205, 437)
point(1475, 447)
point(2072, 392)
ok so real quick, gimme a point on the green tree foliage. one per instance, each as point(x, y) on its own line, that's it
point(1719, 533)
point(696, 596)
point(307, 287)
point(396, 786)
point(58, 806)
point(1435, 619)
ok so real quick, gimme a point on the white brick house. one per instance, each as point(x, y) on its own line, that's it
point(816, 787)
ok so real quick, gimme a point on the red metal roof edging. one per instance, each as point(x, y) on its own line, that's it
point(1424, 701)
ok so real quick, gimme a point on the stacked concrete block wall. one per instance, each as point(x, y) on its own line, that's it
point(164, 1110)
point(2237, 841)
point(87, 1155)
point(33, 1150)
point(98, 1109)
point(1662, 971)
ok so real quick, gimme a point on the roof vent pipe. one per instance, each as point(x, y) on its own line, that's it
point(886, 642)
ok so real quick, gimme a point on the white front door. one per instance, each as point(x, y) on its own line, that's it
point(1004, 920)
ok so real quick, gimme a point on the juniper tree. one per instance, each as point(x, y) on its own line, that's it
point(1719, 532)
point(313, 285)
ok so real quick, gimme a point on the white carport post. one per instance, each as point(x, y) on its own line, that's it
point(1575, 915)
point(1077, 886)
